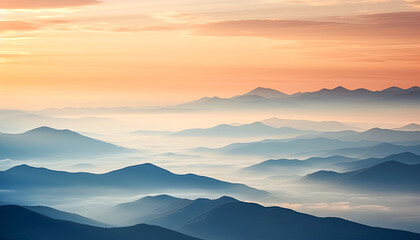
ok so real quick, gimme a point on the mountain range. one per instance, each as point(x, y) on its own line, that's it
point(286, 147)
point(374, 134)
point(266, 98)
point(277, 166)
point(405, 157)
point(409, 127)
point(319, 126)
point(388, 176)
point(229, 219)
point(376, 151)
point(46, 142)
point(19, 223)
point(143, 178)
point(256, 129)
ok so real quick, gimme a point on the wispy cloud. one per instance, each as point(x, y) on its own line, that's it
point(324, 2)
point(12, 56)
point(45, 4)
point(17, 26)
point(405, 25)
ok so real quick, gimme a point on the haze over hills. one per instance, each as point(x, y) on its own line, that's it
point(19, 223)
point(229, 219)
point(143, 178)
point(405, 157)
point(245, 130)
point(17, 121)
point(388, 176)
point(45, 142)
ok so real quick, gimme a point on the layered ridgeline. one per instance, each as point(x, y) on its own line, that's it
point(409, 127)
point(288, 166)
point(19, 223)
point(139, 179)
point(282, 166)
point(229, 219)
point(45, 142)
point(374, 134)
point(265, 98)
point(256, 129)
point(390, 176)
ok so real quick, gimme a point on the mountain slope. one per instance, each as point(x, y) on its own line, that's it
point(19, 223)
point(48, 142)
point(387, 176)
point(61, 215)
point(145, 178)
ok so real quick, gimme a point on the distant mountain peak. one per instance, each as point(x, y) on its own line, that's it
point(265, 92)
point(392, 89)
point(145, 168)
point(227, 198)
point(49, 130)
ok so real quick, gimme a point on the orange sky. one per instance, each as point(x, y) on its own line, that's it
point(57, 53)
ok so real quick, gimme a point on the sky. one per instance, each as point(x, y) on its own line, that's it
point(57, 53)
